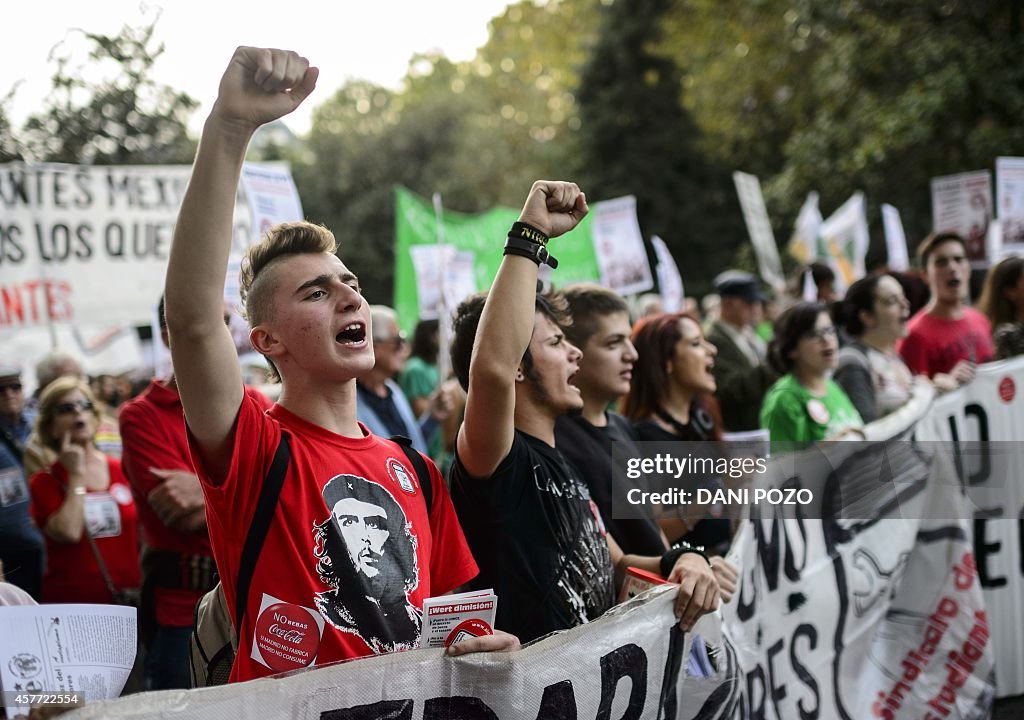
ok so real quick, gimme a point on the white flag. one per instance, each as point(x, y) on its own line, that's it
point(895, 239)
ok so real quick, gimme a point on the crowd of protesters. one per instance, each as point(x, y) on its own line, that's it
point(103, 498)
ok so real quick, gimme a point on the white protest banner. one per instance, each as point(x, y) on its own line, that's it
point(748, 188)
point(989, 413)
point(963, 204)
point(630, 663)
point(1010, 203)
point(669, 280)
point(803, 245)
point(895, 239)
point(89, 245)
point(872, 613)
point(845, 239)
point(619, 246)
point(271, 195)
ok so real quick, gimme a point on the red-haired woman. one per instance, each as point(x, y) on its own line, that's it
point(670, 399)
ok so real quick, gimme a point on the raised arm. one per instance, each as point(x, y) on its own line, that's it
point(259, 86)
point(503, 335)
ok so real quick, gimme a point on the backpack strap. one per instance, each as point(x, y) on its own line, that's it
point(420, 466)
point(261, 519)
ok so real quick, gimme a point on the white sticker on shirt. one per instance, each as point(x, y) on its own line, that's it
point(12, 487)
point(102, 516)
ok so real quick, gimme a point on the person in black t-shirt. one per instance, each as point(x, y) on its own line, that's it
point(534, 530)
point(600, 327)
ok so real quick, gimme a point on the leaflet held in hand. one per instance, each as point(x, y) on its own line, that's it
point(453, 618)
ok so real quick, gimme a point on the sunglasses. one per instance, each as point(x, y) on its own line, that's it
point(69, 408)
point(10, 387)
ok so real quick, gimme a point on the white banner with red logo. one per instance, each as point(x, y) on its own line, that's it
point(989, 413)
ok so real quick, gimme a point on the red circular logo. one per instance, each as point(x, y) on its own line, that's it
point(1007, 389)
point(287, 637)
point(474, 627)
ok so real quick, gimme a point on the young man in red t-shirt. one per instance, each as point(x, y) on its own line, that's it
point(351, 552)
point(946, 340)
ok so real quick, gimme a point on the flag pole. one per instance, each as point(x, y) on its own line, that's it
point(444, 312)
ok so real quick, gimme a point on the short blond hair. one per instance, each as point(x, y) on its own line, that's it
point(293, 238)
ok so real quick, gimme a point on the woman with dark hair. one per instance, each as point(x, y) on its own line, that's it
point(670, 399)
point(871, 372)
point(82, 502)
point(1002, 301)
point(805, 405)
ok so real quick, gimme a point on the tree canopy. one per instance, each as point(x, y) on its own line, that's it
point(662, 99)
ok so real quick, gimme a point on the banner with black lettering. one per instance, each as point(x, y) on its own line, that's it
point(83, 245)
point(870, 608)
point(988, 415)
point(631, 663)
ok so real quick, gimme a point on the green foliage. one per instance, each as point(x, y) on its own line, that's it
point(9, 148)
point(478, 132)
point(638, 139)
point(875, 95)
point(126, 118)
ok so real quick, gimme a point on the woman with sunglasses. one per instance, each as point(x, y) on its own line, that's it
point(805, 406)
point(82, 503)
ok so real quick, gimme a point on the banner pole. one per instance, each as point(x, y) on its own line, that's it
point(444, 316)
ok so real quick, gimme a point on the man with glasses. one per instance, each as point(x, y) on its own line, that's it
point(21, 545)
point(382, 406)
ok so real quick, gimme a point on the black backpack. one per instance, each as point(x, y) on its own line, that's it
point(214, 639)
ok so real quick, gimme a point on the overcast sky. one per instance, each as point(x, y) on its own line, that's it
point(371, 40)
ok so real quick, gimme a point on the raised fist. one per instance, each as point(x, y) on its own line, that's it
point(261, 85)
point(554, 207)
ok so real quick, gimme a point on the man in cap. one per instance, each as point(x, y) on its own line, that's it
point(21, 545)
point(740, 370)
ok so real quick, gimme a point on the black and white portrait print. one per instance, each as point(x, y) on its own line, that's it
point(366, 552)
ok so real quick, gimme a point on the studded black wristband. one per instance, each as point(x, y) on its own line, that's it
point(524, 248)
point(669, 559)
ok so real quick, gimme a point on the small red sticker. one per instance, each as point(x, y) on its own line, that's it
point(474, 627)
point(287, 636)
point(1007, 389)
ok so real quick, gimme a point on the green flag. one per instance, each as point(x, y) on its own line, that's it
point(484, 236)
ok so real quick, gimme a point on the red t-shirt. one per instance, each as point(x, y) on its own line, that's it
point(350, 555)
point(72, 573)
point(153, 433)
point(935, 345)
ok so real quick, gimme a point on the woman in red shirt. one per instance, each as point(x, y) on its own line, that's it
point(81, 496)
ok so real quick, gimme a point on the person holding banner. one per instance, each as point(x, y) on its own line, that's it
point(875, 313)
point(805, 406)
point(946, 336)
point(1002, 302)
point(539, 538)
point(309, 319)
point(600, 327)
